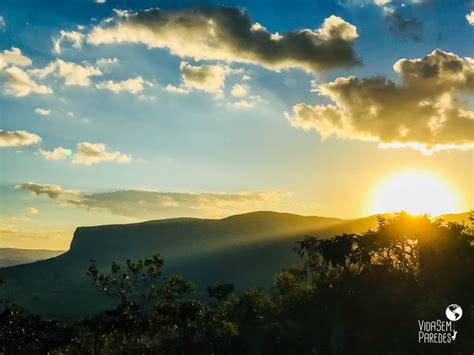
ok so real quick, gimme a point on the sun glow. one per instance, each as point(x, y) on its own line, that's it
point(414, 192)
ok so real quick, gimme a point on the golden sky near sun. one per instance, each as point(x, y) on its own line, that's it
point(415, 192)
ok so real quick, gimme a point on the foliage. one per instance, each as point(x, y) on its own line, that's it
point(353, 294)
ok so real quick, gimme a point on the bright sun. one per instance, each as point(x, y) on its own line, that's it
point(414, 192)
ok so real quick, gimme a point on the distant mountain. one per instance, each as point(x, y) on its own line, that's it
point(247, 250)
point(12, 256)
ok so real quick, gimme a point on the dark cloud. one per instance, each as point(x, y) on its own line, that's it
point(229, 34)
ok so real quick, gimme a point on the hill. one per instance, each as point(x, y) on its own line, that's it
point(455, 217)
point(12, 256)
point(247, 250)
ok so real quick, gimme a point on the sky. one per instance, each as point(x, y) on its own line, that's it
point(125, 111)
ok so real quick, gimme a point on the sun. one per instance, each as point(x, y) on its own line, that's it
point(415, 192)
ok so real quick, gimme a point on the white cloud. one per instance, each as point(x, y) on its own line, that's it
point(382, 2)
point(42, 111)
point(176, 89)
point(243, 104)
point(58, 153)
point(133, 86)
point(400, 3)
point(104, 62)
point(388, 11)
point(73, 37)
point(247, 103)
point(92, 153)
point(31, 210)
point(99, 1)
point(86, 154)
point(3, 24)
point(424, 112)
point(470, 18)
point(228, 34)
point(13, 57)
point(239, 90)
point(72, 73)
point(17, 138)
point(18, 83)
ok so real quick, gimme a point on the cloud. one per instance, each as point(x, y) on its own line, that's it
point(243, 104)
point(58, 153)
point(42, 111)
point(3, 24)
point(470, 18)
point(150, 204)
point(20, 236)
point(72, 73)
point(402, 26)
point(244, 101)
point(247, 103)
point(86, 154)
point(385, 4)
point(424, 111)
point(176, 89)
point(401, 3)
point(52, 191)
point(18, 83)
point(92, 153)
point(209, 78)
point(31, 210)
point(239, 90)
point(146, 204)
point(228, 34)
point(133, 86)
point(17, 138)
point(99, 1)
point(13, 57)
point(105, 62)
point(73, 37)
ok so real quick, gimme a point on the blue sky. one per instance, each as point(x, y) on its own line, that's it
point(240, 147)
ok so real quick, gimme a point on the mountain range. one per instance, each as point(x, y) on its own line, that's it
point(246, 250)
point(13, 256)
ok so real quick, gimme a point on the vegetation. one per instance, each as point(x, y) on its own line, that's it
point(354, 294)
